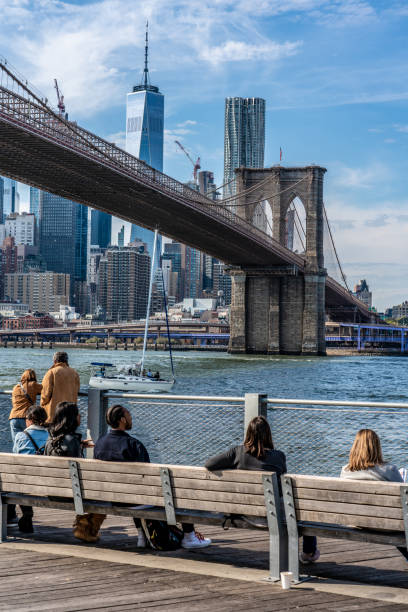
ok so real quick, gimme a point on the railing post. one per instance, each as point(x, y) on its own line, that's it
point(255, 405)
point(97, 407)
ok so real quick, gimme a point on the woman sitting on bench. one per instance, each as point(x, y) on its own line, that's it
point(258, 453)
point(366, 462)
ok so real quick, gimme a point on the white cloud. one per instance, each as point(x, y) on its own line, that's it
point(360, 178)
point(93, 48)
point(401, 128)
point(186, 123)
point(238, 51)
point(118, 139)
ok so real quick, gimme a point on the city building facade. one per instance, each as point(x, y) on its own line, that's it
point(11, 197)
point(363, 293)
point(244, 137)
point(21, 226)
point(41, 291)
point(64, 240)
point(101, 228)
point(124, 275)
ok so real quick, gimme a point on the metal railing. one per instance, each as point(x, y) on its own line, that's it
point(315, 435)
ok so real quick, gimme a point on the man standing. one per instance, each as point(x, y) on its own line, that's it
point(60, 384)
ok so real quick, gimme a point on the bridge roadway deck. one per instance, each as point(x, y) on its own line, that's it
point(51, 571)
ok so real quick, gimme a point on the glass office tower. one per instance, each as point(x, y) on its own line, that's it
point(10, 197)
point(63, 240)
point(144, 137)
point(244, 137)
point(101, 228)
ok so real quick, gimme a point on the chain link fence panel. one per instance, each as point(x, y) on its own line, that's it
point(186, 432)
point(317, 441)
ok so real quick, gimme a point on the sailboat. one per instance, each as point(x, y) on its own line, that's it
point(134, 377)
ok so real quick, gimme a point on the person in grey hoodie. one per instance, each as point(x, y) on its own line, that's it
point(366, 463)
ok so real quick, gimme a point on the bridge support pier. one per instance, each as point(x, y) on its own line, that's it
point(276, 311)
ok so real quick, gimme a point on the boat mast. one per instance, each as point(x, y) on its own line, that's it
point(148, 302)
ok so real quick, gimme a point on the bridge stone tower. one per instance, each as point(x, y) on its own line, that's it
point(280, 308)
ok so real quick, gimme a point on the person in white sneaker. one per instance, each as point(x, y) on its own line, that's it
point(258, 453)
point(118, 445)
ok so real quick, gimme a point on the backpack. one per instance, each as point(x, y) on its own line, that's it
point(38, 450)
point(162, 536)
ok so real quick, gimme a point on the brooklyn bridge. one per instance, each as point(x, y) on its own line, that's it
point(280, 298)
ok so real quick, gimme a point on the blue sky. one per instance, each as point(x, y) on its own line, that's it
point(333, 73)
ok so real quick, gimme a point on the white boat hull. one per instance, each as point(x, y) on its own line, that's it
point(131, 383)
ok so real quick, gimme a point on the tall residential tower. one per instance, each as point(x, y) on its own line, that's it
point(144, 135)
point(244, 136)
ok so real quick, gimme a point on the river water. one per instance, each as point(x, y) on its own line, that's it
point(315, 441)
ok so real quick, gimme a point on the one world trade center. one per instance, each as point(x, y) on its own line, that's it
point(144, 136)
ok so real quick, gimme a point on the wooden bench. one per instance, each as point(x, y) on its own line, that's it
point(363, 510)
point(172, 493)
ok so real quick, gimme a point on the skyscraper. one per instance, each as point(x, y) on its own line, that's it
point(35, 198)
point(1, 198)
point(244, 136)
point(11, 197)
point(124, 275)
point(63, 240)
point(144, 136)
point(101, 228)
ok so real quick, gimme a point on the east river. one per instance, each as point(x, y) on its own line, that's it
point(315, 441)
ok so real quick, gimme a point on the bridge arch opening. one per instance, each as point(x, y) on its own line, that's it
point(262, 217)
point(295, 226)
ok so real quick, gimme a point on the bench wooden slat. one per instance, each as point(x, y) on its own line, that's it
point(392, 501)
point(350, 520)
point(350, 509)
point(343, 484)
point(149, 469)
point(180, 503)
point(8, 481)
point(186, 483)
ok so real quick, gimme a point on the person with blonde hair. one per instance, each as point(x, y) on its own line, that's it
point(366, 461)
point(23, 396)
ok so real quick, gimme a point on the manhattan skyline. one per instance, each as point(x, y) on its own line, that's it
point(331, 74)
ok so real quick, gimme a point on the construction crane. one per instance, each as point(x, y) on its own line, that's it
point(196, 165)
point(61, 103)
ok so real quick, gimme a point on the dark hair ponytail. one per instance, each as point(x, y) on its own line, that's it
point(37, 415)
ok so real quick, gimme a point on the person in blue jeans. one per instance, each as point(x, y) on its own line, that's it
point(23, 396)
point(257, 453)
point(30, 442)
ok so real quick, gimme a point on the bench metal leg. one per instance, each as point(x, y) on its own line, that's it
point(291, 523)
point(277, 532)
point(3, 521)
point(404, 506)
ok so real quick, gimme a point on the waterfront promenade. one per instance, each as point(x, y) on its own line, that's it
point(62, 575)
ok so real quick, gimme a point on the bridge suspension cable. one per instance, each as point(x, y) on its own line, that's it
point(265, 197)
point(343, 276)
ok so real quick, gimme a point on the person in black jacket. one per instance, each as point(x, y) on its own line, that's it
point(65, 441)
point(258, 453)
point(118, 445)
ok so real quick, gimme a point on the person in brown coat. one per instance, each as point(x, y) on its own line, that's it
point(60, 384)
point(23, 396)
